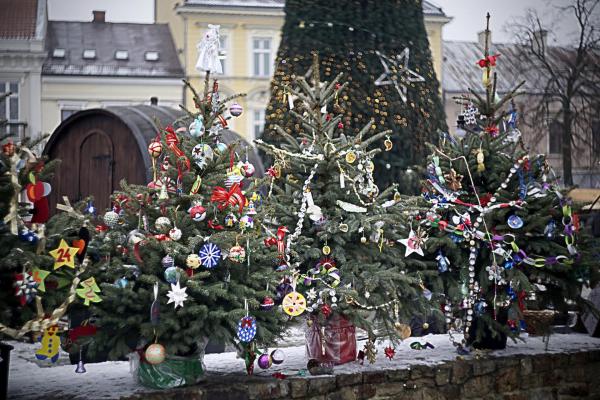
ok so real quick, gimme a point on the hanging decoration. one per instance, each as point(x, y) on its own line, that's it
point(50, 345)
point(177, 295)
point(246, 329)
point(414, 242)
point(397, 73)
point(64, 255)
point(89, 291)
point(210, 255)
point(208, 51)
point(25, 288)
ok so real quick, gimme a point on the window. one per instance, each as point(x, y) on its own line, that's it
point(261, 56)
point(89, 54)
point(258, 123)
point(223, 52)
point(151, 56)
point(555, 137)
point(122, 55)
point(9, 106)
point(58, 53)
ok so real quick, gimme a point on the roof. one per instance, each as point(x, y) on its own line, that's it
point(18, 19)
point(106, 38)
point(461, 72)
point(428, 7)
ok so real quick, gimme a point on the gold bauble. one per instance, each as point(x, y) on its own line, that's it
point(425, 325)
point(326, 250)
point(403, 330)
point(350, 157)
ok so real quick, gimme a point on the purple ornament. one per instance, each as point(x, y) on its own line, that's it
point(264, 361)
point(236, 110)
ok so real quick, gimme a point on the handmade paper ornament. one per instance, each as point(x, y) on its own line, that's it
point(155, 354)
point(251, 208)
point(210, 255)
point(162, 224)
point(267, 303)
point(39, 276)
point(192, 261)
point(390, 352)
point(172, 274)
point(202, 154)
point(197, 213)
point(64, 255)
point(111, 219)
point(246, 329)
point(208, 51)
point(237, 254)
point(196, 128)
point(177, 295)
point(453, 180)
point(175, 234)
point(229, 198)
point(248, 169)
point(246, 222)
point(236, 110)
point(442, 261)
point(25, 287)
point(294, 304)
point(230, 220)
point(515, 222)
point(50, 345)
point(234, 175)
point(28, 236)
point(414, 242)
point(277, 356)
point(167, 261)
point(89, 291)
point(264, 361)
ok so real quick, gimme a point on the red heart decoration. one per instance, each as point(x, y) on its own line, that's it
point(80, 244)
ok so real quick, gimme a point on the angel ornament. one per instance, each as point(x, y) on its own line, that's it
point(208, 51)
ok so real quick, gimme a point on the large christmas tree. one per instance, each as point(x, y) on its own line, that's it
point(381, 46)
point(339, 231)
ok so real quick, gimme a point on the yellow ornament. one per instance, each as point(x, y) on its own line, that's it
point(397, 197)
point(388, 144)
point(326, 250)
point(64, 255)
point(88, 291)
point(350, 157)
point(403, 330)
point(293, 304)
point(50, 345)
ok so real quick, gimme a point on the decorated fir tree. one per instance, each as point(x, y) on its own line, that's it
point(336, 231)
point(500, 229)
point(381, 46)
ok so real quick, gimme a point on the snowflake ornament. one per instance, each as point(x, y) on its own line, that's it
point(177, 295)
point(210, 255)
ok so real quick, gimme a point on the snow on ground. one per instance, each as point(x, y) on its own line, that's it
point(110, 380)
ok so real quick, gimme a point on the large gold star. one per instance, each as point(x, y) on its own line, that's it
point(64, 255)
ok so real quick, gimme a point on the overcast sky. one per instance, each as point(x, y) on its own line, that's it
point(468, 15)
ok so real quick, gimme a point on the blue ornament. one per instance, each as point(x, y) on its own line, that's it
point(550, 228)
point(90, 209)
point(172, 274)
point(28, 236)
point(443, 262)
point(122, 283)
point(508, 264)
point(515, 222)
point(480, 307)
point(511, 293)
point(196, 128)
point(210, 255)
point(167, 261)
point(246, 329)
point(456, 238)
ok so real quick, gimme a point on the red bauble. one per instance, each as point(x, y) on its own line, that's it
point(390, 352)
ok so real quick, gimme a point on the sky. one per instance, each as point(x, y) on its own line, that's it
point(468, 15)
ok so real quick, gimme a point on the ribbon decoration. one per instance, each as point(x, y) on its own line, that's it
point(489, 61)
point(278, 240)
point(234, 197)
point(172, 142)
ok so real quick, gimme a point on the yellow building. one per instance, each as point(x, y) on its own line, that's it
point(250, 35)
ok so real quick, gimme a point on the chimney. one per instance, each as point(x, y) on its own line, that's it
point(481, 39)
point(539, 41)
point(99, 16)
point(153, 101)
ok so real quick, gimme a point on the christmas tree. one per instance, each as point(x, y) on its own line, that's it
point(336, 231)
point(387, 65)
point(178, 254)
point(501, 230)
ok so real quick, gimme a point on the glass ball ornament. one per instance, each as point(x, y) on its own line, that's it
point(28, 236)
point(221, 148)
point(277, 356)
point(175, 234)
point(155, 149)
point(197, 213)
point(230, 220)
point(162, 224)
point(248, 169)
point(237, 254)
point(264, 361)
point(192, 261)
point(246, 222)
point(515, 222)
point(155, 354)
point(167, 261)
point(111, 219)
point(267, 304)
point(196, 128)
point(122, 283)
point(236, 110)
point(172, 274)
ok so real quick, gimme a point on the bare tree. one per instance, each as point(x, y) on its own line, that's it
point(568, 77)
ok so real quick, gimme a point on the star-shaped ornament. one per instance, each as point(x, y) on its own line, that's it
point(397, 73)
point(390, 352)
point(414, 242)
point(64, 255)
point(453, 180)
point(39, 275)
point(177, 295)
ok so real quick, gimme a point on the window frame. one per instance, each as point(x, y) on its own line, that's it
point(551, 134)
point(14, 98)
point(258, 122)
point(267, 68)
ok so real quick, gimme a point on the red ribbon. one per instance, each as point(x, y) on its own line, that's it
point(172, 142)
point(214, 224)
point(272, 172)
point(278, 241)
point(246, 322)
point(489, 61)
point(234, 197)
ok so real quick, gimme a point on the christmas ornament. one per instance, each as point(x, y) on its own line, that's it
point(246, 222)
point(264, 361)
point(248, 169)
point(177, 295)
point(343, 228)
point(236, 110)
point(162, 224)
point(251, 208)
point(267, 304)
point(196, 128)
point(278, 240)
point(88, 291)
point(390, 352)
point(237, 254)
point(80, 369)
point(25, 287)
point(246, 329)
point(350, 157)
point(277, 356)
point(28, 236)
point(155, 354)
point(210, 255)
point(515, 222)
point(294, 304)
point(220, 147)
point(64, 255)
point(326, 250)
point(39, 276)
point(388, 144)
point(230, 220)
point(208, 51)
point(414, 242)
point(197, 213)
point(155, 149)
point(234, 175)
point(397, 73)
point(122, 283)
point(175, 234)
point(232, 198)
point(172, 275)
point(50, 345)
point(480, 158)
point(403, 330)
point(111, 219)
point(192, 261)
point(155, 307)
point(442, 261)
point(167, 261)
point(202, 154)
point(453, 180)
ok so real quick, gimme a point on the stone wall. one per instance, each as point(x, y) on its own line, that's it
point(524, 377)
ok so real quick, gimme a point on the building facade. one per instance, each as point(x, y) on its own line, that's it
point(250, 36)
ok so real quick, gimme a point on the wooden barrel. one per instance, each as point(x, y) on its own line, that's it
point(100, 147)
